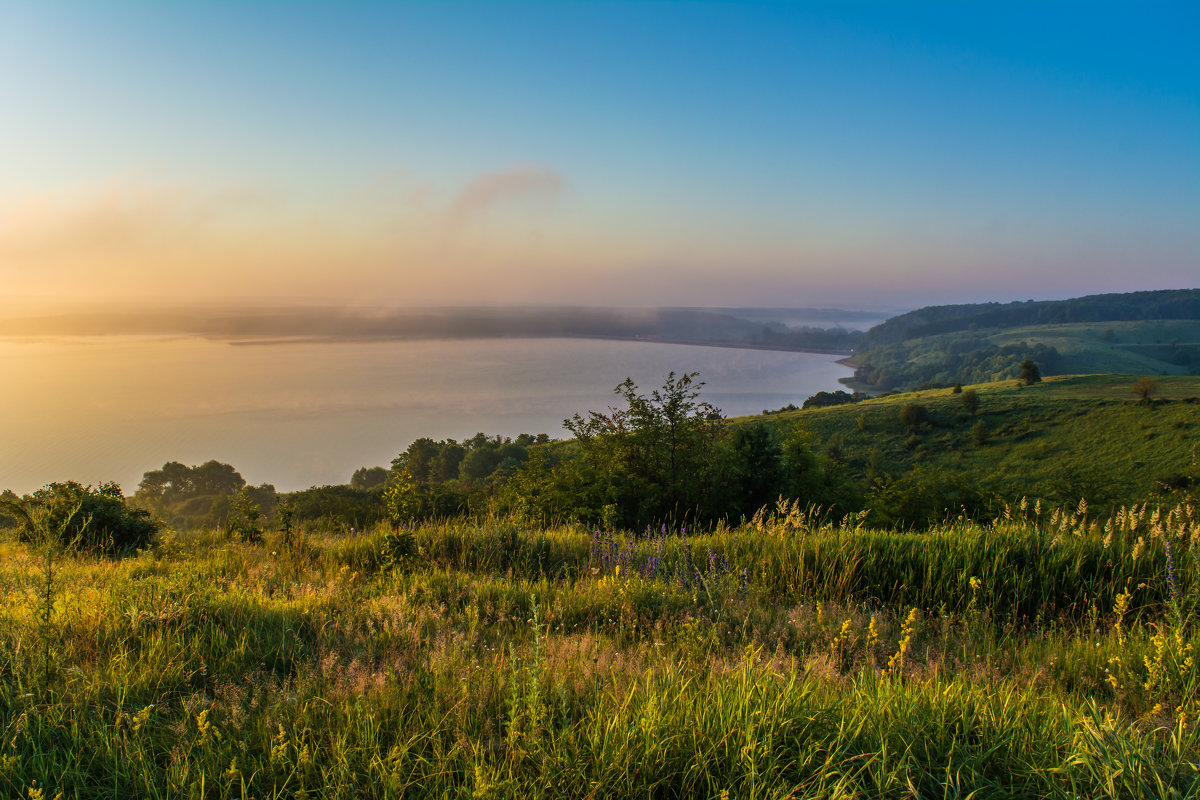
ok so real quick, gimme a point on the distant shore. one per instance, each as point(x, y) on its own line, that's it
point(258, 342)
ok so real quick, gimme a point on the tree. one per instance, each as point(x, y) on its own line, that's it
point(418, 459)
point(368, 478)
point(1144, 388)
point(479, 463)
point(758, 467)
point(979, 433)
point(913, 414)
point(970, 401)
point(176, 481)
point(1030, 374)
point(656, 456)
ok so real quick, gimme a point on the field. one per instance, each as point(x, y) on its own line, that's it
point(1066, 438)
point(1045, 654)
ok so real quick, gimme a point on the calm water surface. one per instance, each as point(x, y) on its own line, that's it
point(295, 415)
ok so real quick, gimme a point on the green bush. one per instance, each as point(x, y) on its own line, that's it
point(87, 519)
point(914, 414)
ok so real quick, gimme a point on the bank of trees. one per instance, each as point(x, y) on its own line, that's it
point(669, 456)
point(204, 494)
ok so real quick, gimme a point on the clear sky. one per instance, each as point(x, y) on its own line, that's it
point(806, 153)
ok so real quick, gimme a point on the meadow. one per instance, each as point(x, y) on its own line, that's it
point(1063, 439)
point(1045, 653)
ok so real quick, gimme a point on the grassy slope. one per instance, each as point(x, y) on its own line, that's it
point(1153, 347)
point(505, 661)
point(1138, 348)
point(1067, 437)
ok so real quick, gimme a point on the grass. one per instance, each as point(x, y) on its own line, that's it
point(1039, 655)
point(1064, 439)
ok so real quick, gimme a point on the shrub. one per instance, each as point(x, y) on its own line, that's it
point(86, 519)
point(243, 521)
point(914, 414)
point(1144, 388)
point(970, 401)
point(979, 433)
point(1030, 374)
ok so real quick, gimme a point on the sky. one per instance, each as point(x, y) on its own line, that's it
point(854, 154)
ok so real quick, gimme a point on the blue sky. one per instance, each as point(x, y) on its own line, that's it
point(641, 154)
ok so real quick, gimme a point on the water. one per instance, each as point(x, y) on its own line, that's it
point(302, 414)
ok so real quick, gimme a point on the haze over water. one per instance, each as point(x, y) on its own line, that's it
point(298, 414)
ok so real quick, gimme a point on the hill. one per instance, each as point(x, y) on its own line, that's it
point(1149, 333)
point(1061, 440)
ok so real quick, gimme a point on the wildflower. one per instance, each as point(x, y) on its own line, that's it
point(872, 636)
point(896, 663)
point(1171, 580)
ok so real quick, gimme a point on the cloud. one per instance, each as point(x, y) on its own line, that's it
point(492, 188)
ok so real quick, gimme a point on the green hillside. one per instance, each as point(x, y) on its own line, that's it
point(1065, 438)
point(1146, 333)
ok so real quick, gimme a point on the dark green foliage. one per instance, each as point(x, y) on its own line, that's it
point(368, 478)
point(782, 409)
point(479, 463)
point(243, 522)
point(838, 398)
point(923, 497)
point(657, 458)
point(472, 463)
point(914, 414)
point(189, 496)
point(398, 549)
point(1030, 374)
point(343, 505)
point(758, 468)
point(970, 401)
point(175, 481)
point(86, 519)
point(940, 362)
point(979, 433)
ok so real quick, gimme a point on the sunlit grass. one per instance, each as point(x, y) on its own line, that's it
point(1046, 654)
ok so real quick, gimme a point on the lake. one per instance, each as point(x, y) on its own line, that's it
point(299, 414)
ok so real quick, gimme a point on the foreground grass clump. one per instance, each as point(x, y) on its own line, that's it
point(1041, 655)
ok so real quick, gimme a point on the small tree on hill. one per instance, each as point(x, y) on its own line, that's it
point(970, 401)
point(1030, 374)
point(913, 414)
point(1144, 388)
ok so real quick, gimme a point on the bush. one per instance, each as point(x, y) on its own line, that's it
point(1030, 374)
point(86, 519)
point(970, 401)
point(979, 433)
point(913, 414)
point(1145, 388)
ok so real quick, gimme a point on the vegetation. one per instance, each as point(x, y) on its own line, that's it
point(81, 518)
point(1149, 333)
point(1060, 440)
point(1046, 654)
point(837, 601)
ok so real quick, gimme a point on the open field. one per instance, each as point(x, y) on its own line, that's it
point(1063, 439)
point(1045, 654)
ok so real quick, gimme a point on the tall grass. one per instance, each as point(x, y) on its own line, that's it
point(1041, 655)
